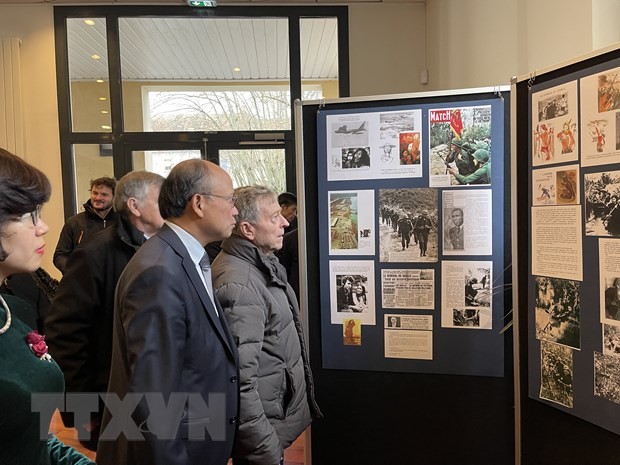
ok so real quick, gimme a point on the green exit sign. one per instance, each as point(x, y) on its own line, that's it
point(202, 3)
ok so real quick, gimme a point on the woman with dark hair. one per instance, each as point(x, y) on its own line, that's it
point(25, 366)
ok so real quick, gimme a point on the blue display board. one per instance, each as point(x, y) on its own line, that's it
point(412, 258)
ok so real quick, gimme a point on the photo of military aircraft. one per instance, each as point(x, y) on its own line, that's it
point(344, 130)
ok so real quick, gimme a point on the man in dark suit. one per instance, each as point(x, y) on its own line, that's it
point(173, 355)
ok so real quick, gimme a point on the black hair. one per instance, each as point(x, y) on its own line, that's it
point(186, 179)
point(287, 198)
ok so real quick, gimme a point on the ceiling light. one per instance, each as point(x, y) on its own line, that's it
point(99, 81)
point(102, 98)
point(237, 69)
point(95, 56)
point(90, 22)
point(105, 112)
point(106, 127)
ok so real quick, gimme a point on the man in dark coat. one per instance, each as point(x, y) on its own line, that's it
point(79, 323)
point(172, 352)
point(97, 215)
point(422, 227)
point(405, 228)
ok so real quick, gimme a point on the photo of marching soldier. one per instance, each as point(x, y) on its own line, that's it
point(408, 225)
point(460, 143)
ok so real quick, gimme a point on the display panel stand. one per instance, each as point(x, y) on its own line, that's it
point(394, 413)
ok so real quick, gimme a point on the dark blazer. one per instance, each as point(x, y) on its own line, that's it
point(168, 339)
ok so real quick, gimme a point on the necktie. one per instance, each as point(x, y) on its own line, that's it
point(205, 266)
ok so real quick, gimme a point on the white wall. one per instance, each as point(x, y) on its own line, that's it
point(34, 24)
point(386, 42)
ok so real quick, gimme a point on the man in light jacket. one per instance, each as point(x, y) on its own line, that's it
point(277, 399)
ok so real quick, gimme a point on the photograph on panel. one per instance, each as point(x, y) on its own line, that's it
point(554, 120)
point(466, 295)
point(609, 281)
point(352, 291)
point(611, 340)
point(351, 222)
point(460, 146)
point(556, 373)
point(602, 197)
point(400, 144)
point(558, 311)
point(607, 377)
point(352, 332)
point(555, 186)
point(600, 108)
point(408, 228)
point(467, 222)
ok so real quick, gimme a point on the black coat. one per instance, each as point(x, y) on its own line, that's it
point(78, 327)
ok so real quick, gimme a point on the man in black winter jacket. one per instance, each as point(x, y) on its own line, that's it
point(97, 215)
point(79, 324)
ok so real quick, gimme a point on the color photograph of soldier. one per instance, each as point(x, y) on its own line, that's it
point(607, 377)
point(608, 92)
point(611, 340)
point(478, 287)
point(566, 180)
point(409, 148)
point(454, 142)
point(602, 191)
point(454, 229)
point(408, 225)
point(351, 332)
point(556, 373)
point(558, 311)
point(343, 221)
point(352, 293)
point(358, 157)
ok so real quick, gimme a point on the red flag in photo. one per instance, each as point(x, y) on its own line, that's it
point(456, 123)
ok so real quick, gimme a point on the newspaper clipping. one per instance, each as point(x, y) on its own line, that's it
point(556, 242)
point(600, 118)
point(556, 186)
point(467, 225)
point(455, 136)
point(408, 336)
point(351, 227)
point(466, 295)
point(374, 145)
point(555, 132)
point(410, 288)
point(352, 285)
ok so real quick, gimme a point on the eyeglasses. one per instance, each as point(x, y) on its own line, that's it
point(231, 199)
point(34, 215)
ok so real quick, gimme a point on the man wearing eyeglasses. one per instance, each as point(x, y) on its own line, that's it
point(277, 398)
point(172, 351)
point(97, 215)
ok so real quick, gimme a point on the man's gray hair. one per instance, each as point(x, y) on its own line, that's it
point(248, 203)
point(134, 184)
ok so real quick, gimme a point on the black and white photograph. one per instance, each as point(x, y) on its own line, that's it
point(466, 317)
point(454, 228)
point(478, 287)
point(356, 157)
point(558, 311)
point(612, 298)
point(602, 194)
point(393, 322)
point(553, 106)
point(611, 340)
point(607, 377)
point(408, 225)
point(556, 373)
point(352, 291)
point(349, 133)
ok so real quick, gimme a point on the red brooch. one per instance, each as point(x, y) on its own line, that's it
point(37, 344)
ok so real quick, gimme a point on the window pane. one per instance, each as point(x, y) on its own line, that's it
point(224, 74)
point(161, 161)
point(88, 75)
point(90, 161)
point(255, 166)
point(319, 57)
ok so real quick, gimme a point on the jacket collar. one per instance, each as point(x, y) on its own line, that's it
point(88, 208)
point(128, 233)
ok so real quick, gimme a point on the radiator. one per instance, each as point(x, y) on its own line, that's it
point(11, 104)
